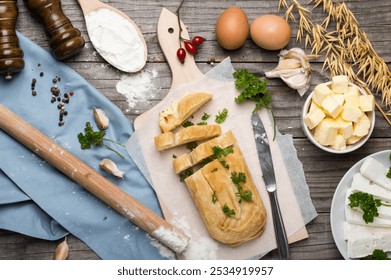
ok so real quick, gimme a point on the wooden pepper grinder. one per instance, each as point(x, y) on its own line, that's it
point(11, 56)
point(65, 40)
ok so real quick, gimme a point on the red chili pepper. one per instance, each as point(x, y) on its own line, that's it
point(181, 54)
point(198, 40)
point(190, 47)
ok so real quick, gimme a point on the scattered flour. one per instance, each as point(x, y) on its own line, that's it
point(137, 87)
point(199, 248)
point(163, 250)
point(117, 40)
point(203, 248)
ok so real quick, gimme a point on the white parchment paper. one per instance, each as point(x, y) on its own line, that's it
point(177, 204)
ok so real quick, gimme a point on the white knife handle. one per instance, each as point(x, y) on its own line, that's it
point(279, 229)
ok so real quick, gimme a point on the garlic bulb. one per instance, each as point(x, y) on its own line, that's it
point(294, 69)
point(110, 167)
point(102, 121)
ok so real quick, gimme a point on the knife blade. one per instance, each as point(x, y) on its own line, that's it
point(266, 161)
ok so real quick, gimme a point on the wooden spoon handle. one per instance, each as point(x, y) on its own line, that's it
point(86, 177)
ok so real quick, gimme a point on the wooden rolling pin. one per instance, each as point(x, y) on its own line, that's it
point(86, 177)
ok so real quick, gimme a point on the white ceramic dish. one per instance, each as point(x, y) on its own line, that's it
point(349, 148)
point(337, 213)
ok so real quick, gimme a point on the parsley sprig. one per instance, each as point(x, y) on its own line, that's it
point(367, 203)
point(237, 178)
point(220, 153)
point(95, 138)
point(221, 116)
point(253, 88)
point(378, 254)
point(388, 175)
point(228, 211)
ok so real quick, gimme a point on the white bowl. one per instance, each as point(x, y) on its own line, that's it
point(349, 148)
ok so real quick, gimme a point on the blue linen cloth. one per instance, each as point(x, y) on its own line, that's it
point(35, 198)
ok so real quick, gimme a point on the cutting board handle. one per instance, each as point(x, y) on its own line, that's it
point(168, 36)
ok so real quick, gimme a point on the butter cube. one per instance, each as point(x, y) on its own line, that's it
point(314, 117)
point(367, 103)
point(345, 128)
point(340, 84)
point(340, 98)
point(321, 91)
point(352, 98)
point(314, 106)
point(361, 128)
point(340, 143)
point(353, 90)
point(353, 140)
point(331, 106)
point(326, 132)
point(351, 113)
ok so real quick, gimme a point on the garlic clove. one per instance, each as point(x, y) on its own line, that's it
point(288, 64)
point(62, 251)
point(101, 120)
point(110, 167)
point(294, 69)
point(298, 82)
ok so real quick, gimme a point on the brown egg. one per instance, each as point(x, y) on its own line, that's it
point(270, 32)
point(232, 28)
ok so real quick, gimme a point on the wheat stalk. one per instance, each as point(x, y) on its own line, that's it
point(347, 49)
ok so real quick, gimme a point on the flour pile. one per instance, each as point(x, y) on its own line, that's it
point(138, 88)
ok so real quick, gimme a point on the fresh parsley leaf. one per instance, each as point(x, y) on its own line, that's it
point(184, 174)
point(219, 152)
point(191, 146)
point(367, 203)
point(228, 211)
point(224, 163)
point(220, 118)
point(214, 170)
point(254, 89)
point(90, 137)
point(174, 156)
point(378, 255)
point(205, 117)
point(214, 197)
point(202, 123)
point(389, 173)
point(238, 178)
point(94, 138)
point(187, 124)
point(246, 195)
point(206, 161)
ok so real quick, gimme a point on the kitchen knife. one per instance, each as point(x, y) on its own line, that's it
point(265, 159)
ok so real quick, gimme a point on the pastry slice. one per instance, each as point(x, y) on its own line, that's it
point(178, 113)
point(202, 151)
point(186, 135)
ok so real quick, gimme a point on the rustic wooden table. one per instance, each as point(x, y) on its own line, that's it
point(323, 171)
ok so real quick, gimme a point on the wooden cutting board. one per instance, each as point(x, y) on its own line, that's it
point(168, 36)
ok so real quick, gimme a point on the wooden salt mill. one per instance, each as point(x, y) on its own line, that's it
point(65, 40)
point(11, 56)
